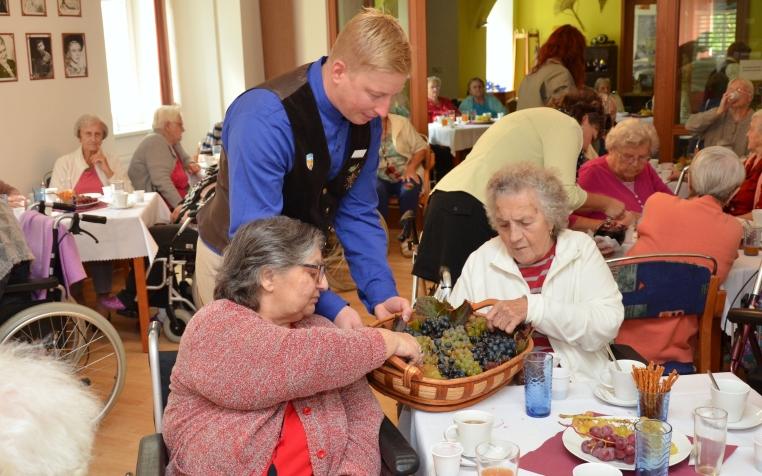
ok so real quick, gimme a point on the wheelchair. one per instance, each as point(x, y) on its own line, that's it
point(397, 457)
point(68, 331)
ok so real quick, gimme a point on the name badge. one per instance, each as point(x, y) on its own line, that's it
point(359, 153)
point(310, 161)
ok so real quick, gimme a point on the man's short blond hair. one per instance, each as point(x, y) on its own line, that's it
point(373, 41)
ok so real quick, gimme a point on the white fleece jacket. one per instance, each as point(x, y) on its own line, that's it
point(580, 307)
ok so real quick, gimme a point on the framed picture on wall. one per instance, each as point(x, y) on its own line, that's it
point(8, 65)
point(4, 7)
point(75, 55)
point(69, 8)
point(33, 8)
point(40, 52)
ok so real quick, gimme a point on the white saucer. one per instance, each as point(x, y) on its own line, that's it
point(112, 205)
point(752, 417)
point(603, 393)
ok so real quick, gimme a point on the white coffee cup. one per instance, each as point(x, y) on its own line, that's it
point(731, 397)
point(51, 195)
point(446, 456)
point(622, 381)
point(139, 196)
point(119, 199)
point(756, 215)
point(471, 428)
point(108, 190)
point(595, 469)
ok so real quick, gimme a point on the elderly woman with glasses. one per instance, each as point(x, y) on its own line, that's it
point(624, 173)
point(263, 385)
point(160, 164)
point(542, 273)
point(673, 225)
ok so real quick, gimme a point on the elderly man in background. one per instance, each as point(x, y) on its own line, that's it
point(727, 124)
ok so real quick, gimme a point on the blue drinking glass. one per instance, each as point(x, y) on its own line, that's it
point(538, 377)
point(653, 439)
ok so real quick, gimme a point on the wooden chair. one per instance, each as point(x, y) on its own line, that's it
point(663, 285)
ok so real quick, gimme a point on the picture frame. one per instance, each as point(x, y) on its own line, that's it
point(9, 66)
point(40, 55)
point(5, 8)
point(69, 8)
point(34, 8)
point(74, 55)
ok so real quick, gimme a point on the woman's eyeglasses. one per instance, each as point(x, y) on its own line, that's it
point(320, 268)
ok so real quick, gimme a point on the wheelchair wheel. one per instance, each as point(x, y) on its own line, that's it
point(173, 332)
point(79, 336)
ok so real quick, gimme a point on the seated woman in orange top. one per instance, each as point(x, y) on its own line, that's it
point(696, 225)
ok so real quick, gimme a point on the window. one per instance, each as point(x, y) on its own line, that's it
point(129, 30)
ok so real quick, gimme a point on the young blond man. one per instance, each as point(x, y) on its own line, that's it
point(306, 145)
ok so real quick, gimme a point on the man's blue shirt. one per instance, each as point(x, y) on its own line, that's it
point(260, 148)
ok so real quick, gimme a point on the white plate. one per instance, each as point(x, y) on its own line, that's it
point(602, 391)
point(752, 417)
point(112, 205)
point(573, 442)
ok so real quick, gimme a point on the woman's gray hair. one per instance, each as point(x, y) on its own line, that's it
point(89, 119)
point(632, 133)
point(165, 114)
point(756, 116)
point(716, 171)
point(515, 178)
point(601, 82)
point(434, 79)
point(275, 243)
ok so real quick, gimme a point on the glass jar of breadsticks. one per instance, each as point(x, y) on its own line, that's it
point(653, 390)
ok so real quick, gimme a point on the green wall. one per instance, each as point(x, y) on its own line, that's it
point(472, 41)
point(540, 15)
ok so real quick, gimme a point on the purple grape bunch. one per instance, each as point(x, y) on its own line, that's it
point(606, 445)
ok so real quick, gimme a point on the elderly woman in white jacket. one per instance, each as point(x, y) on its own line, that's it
point(543, 274)
point(87, 169)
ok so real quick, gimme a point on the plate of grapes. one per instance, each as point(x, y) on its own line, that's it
point(611, 440)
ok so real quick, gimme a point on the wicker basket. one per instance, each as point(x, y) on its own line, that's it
point(406, 384)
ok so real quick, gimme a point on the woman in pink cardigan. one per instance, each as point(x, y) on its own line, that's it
point(262, 385)
point(624, 174)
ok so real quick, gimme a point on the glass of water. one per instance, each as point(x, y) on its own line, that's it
point(538, 378)
point(710, 429)
point(653, 440)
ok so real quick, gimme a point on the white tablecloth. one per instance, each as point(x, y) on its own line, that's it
point(740, 273)
point(456, 137)
point(689, 392)
point(125, 235)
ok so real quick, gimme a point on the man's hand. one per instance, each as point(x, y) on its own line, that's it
point(348, 318)
point(506, 315)
point(393, 305)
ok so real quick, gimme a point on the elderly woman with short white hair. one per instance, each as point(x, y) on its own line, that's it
point(624, 173)
point(160, 164)
point(552, 278)
point(696, 225)
point(87, 168)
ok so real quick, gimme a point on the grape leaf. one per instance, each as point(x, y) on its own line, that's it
point(431, 307)
point(459, 316)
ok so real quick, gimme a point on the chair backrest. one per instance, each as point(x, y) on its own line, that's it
point(666, 285)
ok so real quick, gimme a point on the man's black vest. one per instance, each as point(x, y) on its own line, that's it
point(308, 194)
